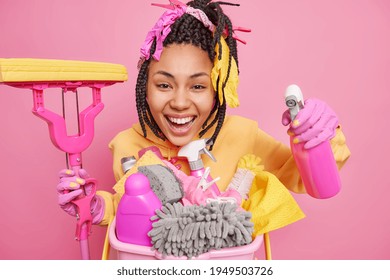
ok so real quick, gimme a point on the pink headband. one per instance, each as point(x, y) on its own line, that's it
point(224, 75)
point(163, 26)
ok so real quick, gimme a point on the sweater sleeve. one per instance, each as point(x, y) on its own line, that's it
point(340, 149)
point(277, 159)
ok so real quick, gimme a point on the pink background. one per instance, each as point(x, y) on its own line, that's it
point(336, 50)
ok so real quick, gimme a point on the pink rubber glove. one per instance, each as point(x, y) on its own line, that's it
point(69, 189)
point(314, 124)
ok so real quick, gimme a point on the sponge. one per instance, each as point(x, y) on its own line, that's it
point(163, 182)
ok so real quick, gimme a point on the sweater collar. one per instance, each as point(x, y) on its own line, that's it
point(168, 150)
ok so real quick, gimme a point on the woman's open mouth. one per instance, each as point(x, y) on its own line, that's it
point(180, 125)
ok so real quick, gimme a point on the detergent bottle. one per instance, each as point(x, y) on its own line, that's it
point(316, 165)
point(137, 205)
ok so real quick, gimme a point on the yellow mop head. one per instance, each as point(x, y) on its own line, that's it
point(44, 70)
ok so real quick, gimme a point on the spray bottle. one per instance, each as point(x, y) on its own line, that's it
point(316, 165)
point(137, 205)
point(192, 152)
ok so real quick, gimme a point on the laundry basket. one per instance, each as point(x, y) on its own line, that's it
point(126, 251)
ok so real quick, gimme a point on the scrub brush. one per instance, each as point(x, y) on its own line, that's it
point(247, 168)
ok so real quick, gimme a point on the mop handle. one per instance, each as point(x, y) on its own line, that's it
point(73, 145)
point(84, 215)
point(83, 203)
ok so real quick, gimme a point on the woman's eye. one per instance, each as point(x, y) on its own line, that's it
point(199, 87)
point(163, 86)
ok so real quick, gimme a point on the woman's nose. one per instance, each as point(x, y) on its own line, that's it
point(180, 100)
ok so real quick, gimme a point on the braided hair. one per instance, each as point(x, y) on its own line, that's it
point(189, 30)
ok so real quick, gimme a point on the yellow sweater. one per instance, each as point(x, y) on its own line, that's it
point(238, 137)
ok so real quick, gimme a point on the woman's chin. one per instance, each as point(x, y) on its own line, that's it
point(180, 141)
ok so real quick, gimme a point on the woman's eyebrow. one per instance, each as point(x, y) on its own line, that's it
point(200, 74)
point(164, 73)
point(169, 75)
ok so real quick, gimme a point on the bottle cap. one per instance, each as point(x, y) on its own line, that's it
point(128, 163)
point(137, 184)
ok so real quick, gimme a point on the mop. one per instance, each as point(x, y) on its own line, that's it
point(40, 74)
point(195, 229)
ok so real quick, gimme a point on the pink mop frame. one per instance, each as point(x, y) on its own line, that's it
point(73, 145)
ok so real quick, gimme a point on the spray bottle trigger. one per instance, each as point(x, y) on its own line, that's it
point(207, 152)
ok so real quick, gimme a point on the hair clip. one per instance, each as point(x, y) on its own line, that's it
point(171, 6)
point(242, 29)
point(238, 28)
point(203, 183)
point(238, 39)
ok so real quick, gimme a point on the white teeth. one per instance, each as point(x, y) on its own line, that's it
point(181, 120)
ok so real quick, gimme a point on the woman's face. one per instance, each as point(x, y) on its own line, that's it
point(179, 92)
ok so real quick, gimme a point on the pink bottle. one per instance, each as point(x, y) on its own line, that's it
point(317, 165)
point(136, 207)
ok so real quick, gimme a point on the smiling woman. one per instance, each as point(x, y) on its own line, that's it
point(179, 92)
point(335, 50)
point(188, 75)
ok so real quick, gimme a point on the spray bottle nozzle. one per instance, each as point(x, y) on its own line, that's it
point(193, 150)
point(206, 151)
point(294, 100)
